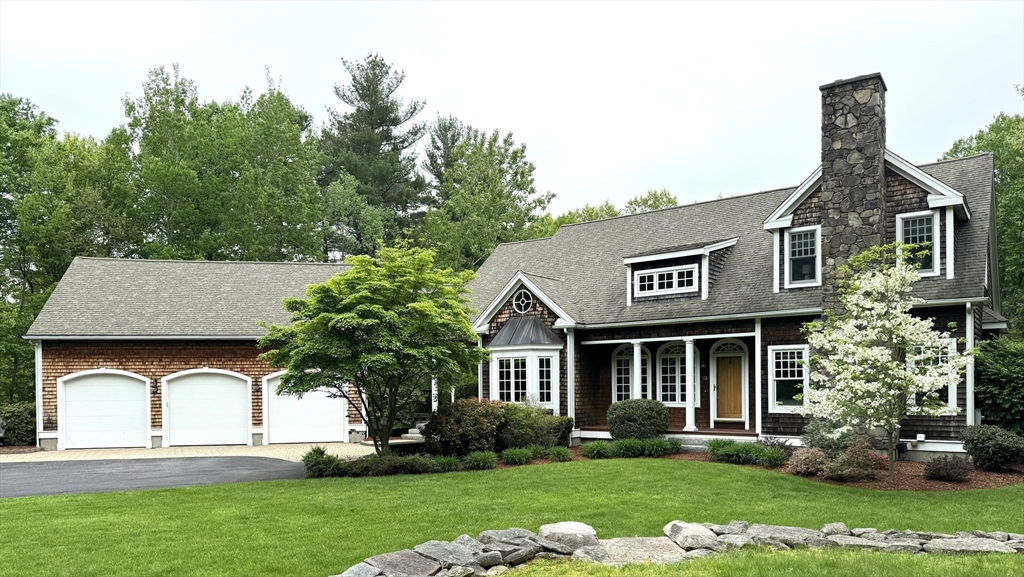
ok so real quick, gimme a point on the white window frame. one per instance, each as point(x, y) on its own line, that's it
point(936, 248)
point(681, 376)
point(817, 257)
point(951, 392)
point(773, 407)
point(675, 270)
point(644, 352)
point(532, 354)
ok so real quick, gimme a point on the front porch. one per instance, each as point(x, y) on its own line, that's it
point(601, 432)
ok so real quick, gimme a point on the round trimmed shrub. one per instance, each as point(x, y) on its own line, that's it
point(516, 456)
point(991, 447)
point(559, 454)
point(637, 419)
point(480, 460)
point(948, 468)
point(597, 450)
point(18, 423)
point(807, 462)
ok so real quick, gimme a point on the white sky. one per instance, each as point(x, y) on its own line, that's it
point(611, 99)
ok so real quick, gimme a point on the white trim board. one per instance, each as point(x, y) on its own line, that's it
point(704, 250)
point(675, 338)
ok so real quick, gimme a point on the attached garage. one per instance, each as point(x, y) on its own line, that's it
point(207, 407)
point(103, 409)
point(315, 418)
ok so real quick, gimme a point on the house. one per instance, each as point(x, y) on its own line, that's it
point(149, 353)
point(701, 306)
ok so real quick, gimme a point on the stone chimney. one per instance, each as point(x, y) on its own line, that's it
point(852, 173)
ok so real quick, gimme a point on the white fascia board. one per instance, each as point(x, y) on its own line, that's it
point(779, 223)
point(142, 337)
point(947, 302)
point(520, 279)
point(702, 251)
point(945, 195)
point(685, 320)
point(512, 348)
point(1000, 326)
point(802, 192)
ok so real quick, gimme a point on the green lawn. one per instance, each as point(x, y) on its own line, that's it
point(320, 527)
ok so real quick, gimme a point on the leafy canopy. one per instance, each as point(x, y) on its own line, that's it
point(386, 327)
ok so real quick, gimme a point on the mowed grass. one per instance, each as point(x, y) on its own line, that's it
point(321, 527)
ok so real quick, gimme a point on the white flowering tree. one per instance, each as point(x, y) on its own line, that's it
point(873, 362)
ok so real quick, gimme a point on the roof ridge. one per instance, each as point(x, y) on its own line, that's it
point(140, 260)
point(679, 206)
point(955, 159)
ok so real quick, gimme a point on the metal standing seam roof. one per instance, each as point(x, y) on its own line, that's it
point(524, 330)
point(121, 298)
point(580, 267)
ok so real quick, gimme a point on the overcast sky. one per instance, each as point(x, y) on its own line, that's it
point(611, 99)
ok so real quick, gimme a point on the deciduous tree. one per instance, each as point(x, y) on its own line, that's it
point(377, 334)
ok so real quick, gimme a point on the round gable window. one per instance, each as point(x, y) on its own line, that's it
point(522, 302)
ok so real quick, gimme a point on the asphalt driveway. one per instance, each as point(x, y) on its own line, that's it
point(57, 477)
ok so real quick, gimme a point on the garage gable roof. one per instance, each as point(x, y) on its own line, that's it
point(101, 298)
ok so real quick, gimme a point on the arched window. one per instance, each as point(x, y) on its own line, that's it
point(622, 373)
point(671, 388)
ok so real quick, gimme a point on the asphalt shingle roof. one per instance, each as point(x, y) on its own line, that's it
point(158, 298)
point(581, 269)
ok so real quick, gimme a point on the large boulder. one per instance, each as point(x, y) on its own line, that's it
point(967, 545)
point(488, 558)
point(792, 536)
point(553, 546)
point(730, 542)
point(571, 534)
point(361, 570)
point(835, 529)
point(691, 536)
point(521, 555)
point(625, 550)
point(733, 528)
point(849, 541)
point(592, 554)
point(445, 553)
point(404, 563)
point(513, 535)
point(469, 543)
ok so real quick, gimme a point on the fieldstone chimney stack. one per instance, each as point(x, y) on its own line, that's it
point(852, 173)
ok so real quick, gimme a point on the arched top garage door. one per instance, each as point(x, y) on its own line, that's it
point(207, 407)
point(315, 418)
point(102, 408)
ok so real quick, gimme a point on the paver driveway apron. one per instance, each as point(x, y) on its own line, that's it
point(288, 452)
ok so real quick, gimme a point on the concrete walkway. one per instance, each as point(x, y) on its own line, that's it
point(290, 452)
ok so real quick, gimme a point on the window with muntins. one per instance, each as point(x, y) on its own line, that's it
point(672, 375)
point(622, 373)
point(940, 357)
point(512, 379)
point(803, 257)
point(788, 377)
point(526, 375)
point(922, 229)
point(544, 379)
point(673, 280)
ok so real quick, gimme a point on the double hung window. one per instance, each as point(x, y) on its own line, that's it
point(787, 377)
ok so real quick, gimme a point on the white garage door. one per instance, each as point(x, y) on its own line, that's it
point(315, 418)
point(207, 408)
point(105, 410)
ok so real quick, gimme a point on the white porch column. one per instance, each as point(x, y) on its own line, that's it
point(570, 375)
point(691, 410)
point(634, 388)
point(433, 394)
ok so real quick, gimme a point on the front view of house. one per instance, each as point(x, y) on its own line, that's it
point(701, 306)
point(147, 353)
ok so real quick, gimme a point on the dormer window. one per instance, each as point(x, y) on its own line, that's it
point(662, 281)
point(803, 257)
point(921, 228)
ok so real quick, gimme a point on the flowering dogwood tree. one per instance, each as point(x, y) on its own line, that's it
point(874, 363)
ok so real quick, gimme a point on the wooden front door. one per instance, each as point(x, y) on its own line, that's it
point(729, 372)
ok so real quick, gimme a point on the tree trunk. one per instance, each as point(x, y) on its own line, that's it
point(893, 439)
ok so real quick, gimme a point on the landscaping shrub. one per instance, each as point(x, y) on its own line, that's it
point(480, 460)
point(525, 426)
point(662, 447)
point(807, 462)
point(778, 443)
point(948, 468)
point(991, 447)
point(562, 430)
point(628, 448)
point(820, 434)
point(464, 427)
point(855, 464)
point(516, 456)
point(879, 462)
point(729, 451)
point(536, 451)
point(446, 464)
point(388, 465)
point(559, 454)
point(637, 419)
point(999, 382)
point(318, 464)
point(18, 422)
point(597, 450)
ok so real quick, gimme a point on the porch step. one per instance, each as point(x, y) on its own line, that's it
point(410, 436)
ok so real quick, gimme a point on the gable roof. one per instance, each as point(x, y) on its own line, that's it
point(581, 267)
point(102, 298)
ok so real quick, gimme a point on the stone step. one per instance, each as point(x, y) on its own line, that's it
point(412, 437)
